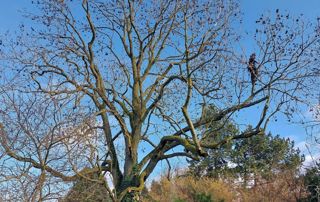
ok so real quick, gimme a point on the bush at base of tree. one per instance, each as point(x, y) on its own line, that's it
point(88, 189)
point(189, 189)
point(285, 186)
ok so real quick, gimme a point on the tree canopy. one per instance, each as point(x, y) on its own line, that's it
point(249, 159)
point(119, 86)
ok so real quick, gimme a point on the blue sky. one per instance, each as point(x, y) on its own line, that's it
point(10, 17)
point(253, 8)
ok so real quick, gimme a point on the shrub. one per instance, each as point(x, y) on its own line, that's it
point(188, 189)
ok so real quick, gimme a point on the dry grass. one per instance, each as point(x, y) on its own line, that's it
point(188, 189)
point(281, 187)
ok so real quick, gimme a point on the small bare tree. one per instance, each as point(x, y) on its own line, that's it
point(118, 86)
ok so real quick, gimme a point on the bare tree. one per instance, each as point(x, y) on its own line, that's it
point(118, 86)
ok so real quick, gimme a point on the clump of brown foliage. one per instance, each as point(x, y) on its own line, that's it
point(189, 189)
point(284, 186)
